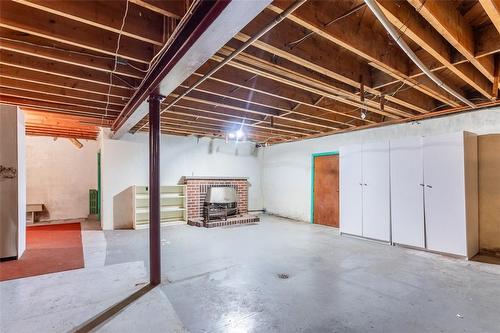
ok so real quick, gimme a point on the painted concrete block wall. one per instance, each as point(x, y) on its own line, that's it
point(286, 168)
point(125, 163)
point(59, 175)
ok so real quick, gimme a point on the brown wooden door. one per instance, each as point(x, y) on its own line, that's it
point(326, 190)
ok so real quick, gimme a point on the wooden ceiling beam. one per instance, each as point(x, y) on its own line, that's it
point(450, 23)
point(420, 106)
point(492, 8)
point(67, 57)
point(50, 116)
point(51, 129)
point(418, 75)
point(61, 128)
point(242, 84)
point(319, 55)
point(487, 41)
point(36, 116)
point(68, 101)
point(68, 71)
point(172, 8)
point(16, 83)
point(313, 126)
point(402, 16)
point(90, 120)
point(296, 126)
point(374, 48)
point(181, 109)
point(65, 135)
point(214, 125)
point(175, 131)
point(59, 29)
point(267, 105)
point(280, 74)
point(230, 125)
point(69, 84)
point(211, 129)
point(142, 25)
point(54, 107)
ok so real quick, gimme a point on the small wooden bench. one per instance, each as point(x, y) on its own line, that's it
point(33, 209)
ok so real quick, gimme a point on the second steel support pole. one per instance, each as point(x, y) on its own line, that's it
point(154, 190)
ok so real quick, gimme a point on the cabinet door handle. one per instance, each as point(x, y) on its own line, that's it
point(361, 184)
point(365, 184)
point(421, 184)
point(429, 186)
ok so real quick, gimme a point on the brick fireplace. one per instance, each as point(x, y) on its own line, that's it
point(196, 191)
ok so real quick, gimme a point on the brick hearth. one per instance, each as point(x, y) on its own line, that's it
point(237, 219)
point(196, 190)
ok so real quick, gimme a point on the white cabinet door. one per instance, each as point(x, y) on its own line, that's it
point(445, 193)
point(407, 192)
point(376, 191)
point(350, 190)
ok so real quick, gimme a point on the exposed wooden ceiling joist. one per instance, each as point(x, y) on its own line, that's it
point(69, 71)
point(246, 113)
point(49, 124)
point(60, 29)
point(104, 64)
point(251, 85)
point(55, 107)
point(402, 16)
point(327, 59)
point(492, 8)
point(68, 84)
point(68, 101)
point(325, 69)
point(280, 74)
point(40, 87)
point(142, 25)
point(364, 43)
point(450, 23)
point(172, 8)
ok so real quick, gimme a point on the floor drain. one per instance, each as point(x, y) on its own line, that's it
point(283, 276)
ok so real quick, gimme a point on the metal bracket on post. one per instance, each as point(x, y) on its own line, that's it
point(156, 96)
point(154, 101)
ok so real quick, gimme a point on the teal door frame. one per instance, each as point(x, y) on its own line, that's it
point(99, 185)
point(313, 156)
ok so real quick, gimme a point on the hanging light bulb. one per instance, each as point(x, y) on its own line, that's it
point(232, 135)
point(363, 114)
point(240, 133)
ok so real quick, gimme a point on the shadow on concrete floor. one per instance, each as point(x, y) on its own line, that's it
point(108, 314)
point(487, 259)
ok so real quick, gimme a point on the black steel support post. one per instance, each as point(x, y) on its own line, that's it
point(154, 190)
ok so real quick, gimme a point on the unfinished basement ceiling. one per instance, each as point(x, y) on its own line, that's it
point(302, 79)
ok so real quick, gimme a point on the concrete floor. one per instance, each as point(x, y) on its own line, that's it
point(226, 280)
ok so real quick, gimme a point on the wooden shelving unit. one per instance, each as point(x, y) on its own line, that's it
point(131, 206)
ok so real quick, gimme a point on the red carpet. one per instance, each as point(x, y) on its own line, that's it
point(49, 249)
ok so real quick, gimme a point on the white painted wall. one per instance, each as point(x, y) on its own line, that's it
point(286, 168)
point(59, 175)
point(125, 162)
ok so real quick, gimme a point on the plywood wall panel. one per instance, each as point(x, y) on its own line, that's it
point(489, 192)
